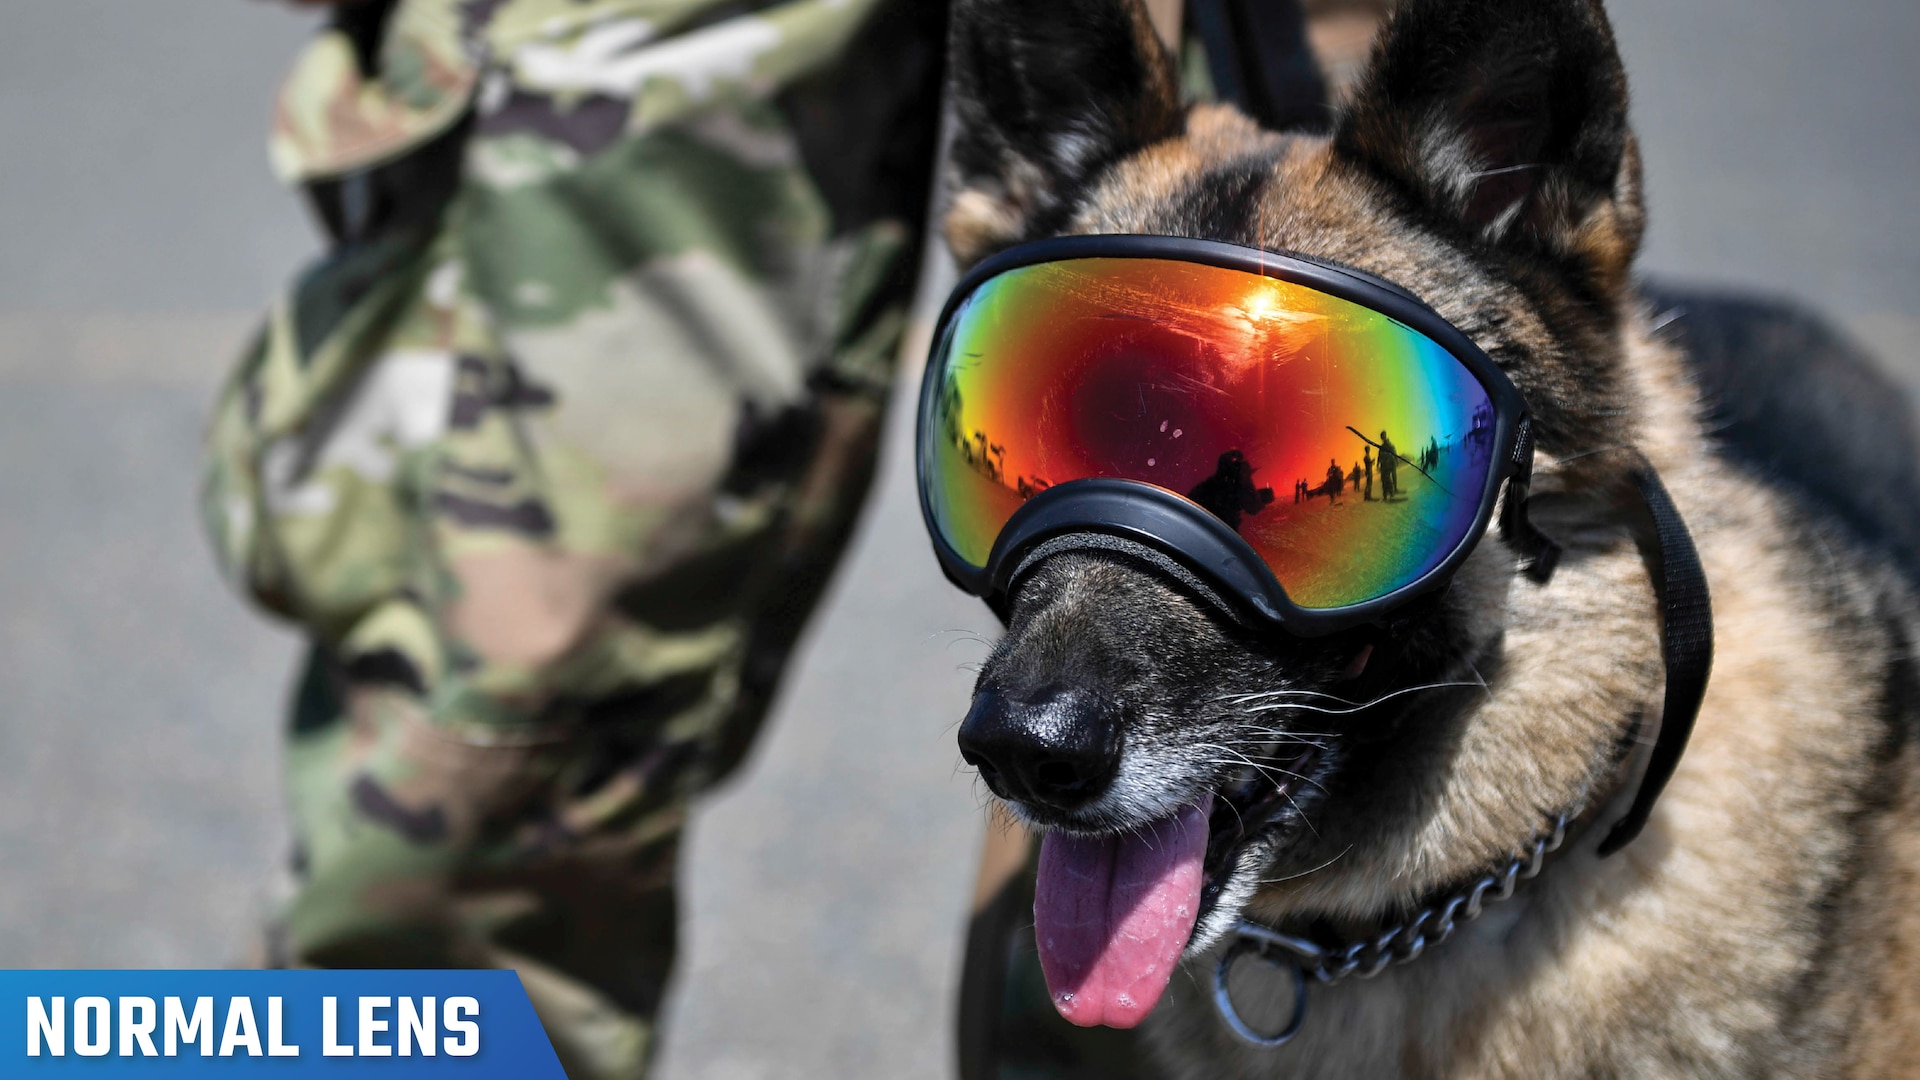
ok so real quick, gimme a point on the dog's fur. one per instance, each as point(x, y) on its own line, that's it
point(1767, 923)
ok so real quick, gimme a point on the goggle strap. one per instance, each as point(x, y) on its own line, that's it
point(1541, 551)
point(1097, 541)
point(1686, 636)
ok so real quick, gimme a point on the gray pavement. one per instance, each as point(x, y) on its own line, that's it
point(139, 816)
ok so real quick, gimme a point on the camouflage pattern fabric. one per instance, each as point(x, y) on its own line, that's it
point(553, 469)
point(332, 118)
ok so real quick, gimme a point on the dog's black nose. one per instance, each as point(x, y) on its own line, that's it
point(1060, 749)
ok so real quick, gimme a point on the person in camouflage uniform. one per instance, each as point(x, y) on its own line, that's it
point(552, 453)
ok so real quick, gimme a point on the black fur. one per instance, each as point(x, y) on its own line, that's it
point(1509, 117)
point(1793, 401)
point(1048, 94)
point(1502, 127)
point(1223, 204)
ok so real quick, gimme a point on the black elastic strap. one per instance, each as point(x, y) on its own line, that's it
point(1539, 549)
point(1259, 59)
point(1686, 637)
point(1679, 587)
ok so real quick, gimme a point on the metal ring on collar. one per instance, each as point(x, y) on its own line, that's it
point(1223, 996)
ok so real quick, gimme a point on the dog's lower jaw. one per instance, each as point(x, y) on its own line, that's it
point(1263, 813)
point(1238, 882)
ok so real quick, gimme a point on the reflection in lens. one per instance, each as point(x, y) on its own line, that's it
point(1230, 492)
point(1347, 449)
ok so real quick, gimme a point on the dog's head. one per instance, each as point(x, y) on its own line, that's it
point(1485, 164)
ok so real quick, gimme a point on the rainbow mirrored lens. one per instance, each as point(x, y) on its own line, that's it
point(1348, 450)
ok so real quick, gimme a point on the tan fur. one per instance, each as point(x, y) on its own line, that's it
point(977, 222)
point(1887, 1042)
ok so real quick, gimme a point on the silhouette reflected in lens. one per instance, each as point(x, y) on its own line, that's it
point(1230, 491)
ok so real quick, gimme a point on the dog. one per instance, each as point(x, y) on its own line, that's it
point(1766, 922)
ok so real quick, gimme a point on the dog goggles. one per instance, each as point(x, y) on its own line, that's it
point(1308, 439)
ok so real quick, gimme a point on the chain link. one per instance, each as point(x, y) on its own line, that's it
point(1404, 943)
point(1367, 958)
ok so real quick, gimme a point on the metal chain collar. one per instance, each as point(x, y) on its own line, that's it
point(1364, 959)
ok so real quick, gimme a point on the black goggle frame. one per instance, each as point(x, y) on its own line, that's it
point(1163, 522)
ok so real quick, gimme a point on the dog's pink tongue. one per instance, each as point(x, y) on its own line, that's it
point(1111, 916)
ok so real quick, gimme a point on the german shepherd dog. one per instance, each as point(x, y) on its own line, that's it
point(1767, 920)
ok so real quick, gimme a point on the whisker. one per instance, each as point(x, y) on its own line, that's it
point(1289, 738)
point(1314, 870)
point(1482, 684)
point(1267, 771)
point(1258, 694)
point(1480, 679)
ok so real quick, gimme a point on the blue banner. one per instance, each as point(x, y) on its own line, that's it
point(467, 1024)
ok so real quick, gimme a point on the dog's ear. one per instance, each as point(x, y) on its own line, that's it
point(1047, 93)
point(1507, 117)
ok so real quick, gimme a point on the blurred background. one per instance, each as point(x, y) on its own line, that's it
point(140, 701)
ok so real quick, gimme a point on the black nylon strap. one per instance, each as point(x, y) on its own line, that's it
point(1686, 637)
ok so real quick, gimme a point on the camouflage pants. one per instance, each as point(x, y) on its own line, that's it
point(553, 454)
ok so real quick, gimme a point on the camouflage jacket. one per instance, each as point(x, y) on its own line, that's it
point(632, 65)
point(540, 447)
